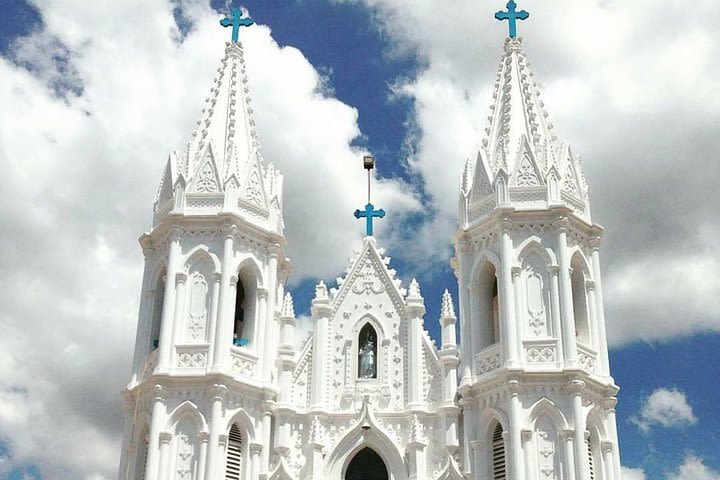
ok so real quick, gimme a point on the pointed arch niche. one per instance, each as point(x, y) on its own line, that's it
point(367, 352)
point(200, 270)
point(535, 311)
point(485, 307)
point(246, 304)
point(236, 465)
point(498, 457)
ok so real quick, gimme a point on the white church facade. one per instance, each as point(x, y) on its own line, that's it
point(219, 389)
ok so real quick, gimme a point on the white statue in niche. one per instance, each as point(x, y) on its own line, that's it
point(367, 358)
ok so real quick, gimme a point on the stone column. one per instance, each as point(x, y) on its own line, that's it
point(463, 257)
point(223, 334)
point(567, 439)
point(553, 271)
point(607, 454)
point(592, 326)
point(203, 439)
point(507, 302)
point(611, 426)
point(575, 388)
point(515, 427)
point(599, 309)
point(266, 427)
point(415, 310)
point(518, 308)
point(481, 468)
point(530, 472)
point(179, 322)
point(212, 329)
point(255, 449)
point(223, 440)
point(470, 457)
point(261, 345)
point(165, 439)
point(218, 394)
point(165, 343)
point(566, 300)
point(129, 437)
point(271, 334)
point(156, 422)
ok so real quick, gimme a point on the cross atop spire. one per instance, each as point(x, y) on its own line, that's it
point(512, 16)
point(236, 21)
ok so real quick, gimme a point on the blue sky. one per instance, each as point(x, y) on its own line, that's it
point(402, 66)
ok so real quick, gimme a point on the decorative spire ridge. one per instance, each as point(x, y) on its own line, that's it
point(447, 309)
point(414, 290)
point(369, 213)
point(321, 291)
point(288, 309)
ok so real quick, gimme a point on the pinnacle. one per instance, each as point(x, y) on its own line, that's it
point(447, 310)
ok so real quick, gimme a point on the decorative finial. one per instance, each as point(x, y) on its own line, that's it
point(236, 21)
point(288, 309)
point(512, 16)
point(369, 213)
point(447, 310)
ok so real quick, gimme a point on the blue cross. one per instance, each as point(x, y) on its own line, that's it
point(369, 213)
point(236, 22)
point(511, 15)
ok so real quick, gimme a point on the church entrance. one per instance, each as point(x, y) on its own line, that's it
point(366, 465)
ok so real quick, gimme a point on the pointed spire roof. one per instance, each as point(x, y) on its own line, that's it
point(521, 164)
point(227, 121)
point(517, 112)
point(447, 309)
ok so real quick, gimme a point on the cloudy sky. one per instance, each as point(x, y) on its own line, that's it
point(94, 95)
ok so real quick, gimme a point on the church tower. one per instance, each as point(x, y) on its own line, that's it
point(198, 402)
point(535, 389)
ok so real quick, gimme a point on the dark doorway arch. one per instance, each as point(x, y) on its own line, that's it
point(366, 465)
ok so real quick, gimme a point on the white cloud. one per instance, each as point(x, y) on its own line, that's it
point(666, 408)
point(633, 473)
point(82, 172)
point(694, 469)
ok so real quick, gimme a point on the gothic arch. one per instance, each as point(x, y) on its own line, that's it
point(244, 423)
point(533, 244)
point(197, 255)
point(365, 434)
point(487, 420)
point(249, 280)
point(485, 305)
point(186, 411)
point(486, 257)
point(380, 340)
point(595, 420)
point(376, 324)
point(547, 408)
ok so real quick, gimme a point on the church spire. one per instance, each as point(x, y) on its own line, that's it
point(520, 150)
point(222, 169)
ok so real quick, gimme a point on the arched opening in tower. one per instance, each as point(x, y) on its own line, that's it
point(366, 465)
point(157, 312)
point(486, 308)
point(234, 460)
point(239, 333)
point(580, 304)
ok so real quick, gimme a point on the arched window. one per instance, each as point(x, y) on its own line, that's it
point(246, 294)
point(580, 306)
point(157, 312)
point(499, 464)
point(239, 334)
point(234, 463)
point(488, 308)
point(367, 352)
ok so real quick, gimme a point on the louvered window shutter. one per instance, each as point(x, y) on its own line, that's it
point(591, 462)
point(498, 454)
point(233, 466)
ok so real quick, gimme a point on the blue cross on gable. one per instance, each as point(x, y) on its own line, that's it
point(369, 213)
point(236, 21)
point(512, 16)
